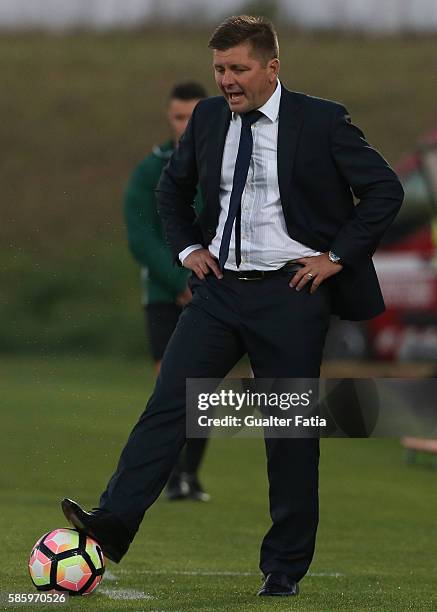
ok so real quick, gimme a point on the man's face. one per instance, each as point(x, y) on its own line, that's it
point(244, 78)
point(178, 115)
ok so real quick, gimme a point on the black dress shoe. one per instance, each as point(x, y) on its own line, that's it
point(279, 584)
point(195, 490)
point(108, 531)
point(176, 487)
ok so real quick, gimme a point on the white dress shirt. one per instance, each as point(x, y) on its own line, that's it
point(265, 243)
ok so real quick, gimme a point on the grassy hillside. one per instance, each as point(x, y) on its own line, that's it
point(80, 110)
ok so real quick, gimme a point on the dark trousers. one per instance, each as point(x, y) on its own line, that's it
point(283, 331)
point(161, 320)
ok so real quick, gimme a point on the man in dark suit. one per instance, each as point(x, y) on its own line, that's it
point(277, 248)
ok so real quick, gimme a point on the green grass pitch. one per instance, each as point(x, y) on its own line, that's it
point(63, 423)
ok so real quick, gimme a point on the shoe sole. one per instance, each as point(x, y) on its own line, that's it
point(200, 497)
point(74, 520)
point(262, 593)
point(276, 594)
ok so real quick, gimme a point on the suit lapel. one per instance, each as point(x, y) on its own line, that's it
point(216, 144)
point(290, 123)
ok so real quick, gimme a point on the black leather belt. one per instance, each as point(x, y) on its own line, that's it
point(247, 275)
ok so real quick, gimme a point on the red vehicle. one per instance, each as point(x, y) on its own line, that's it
point(406, 264)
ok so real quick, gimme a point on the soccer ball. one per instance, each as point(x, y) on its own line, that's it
point(67, 561)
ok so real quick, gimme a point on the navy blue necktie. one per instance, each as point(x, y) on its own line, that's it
point(240, 175)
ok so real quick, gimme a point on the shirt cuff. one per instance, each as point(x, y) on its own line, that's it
point(184, 254)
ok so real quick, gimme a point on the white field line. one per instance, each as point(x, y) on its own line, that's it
point(133, 595)
point(209, 573)
point(125, 594)
point(109, 576)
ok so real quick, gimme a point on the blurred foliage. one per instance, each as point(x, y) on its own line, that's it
point(80, 110)
point(83, 303)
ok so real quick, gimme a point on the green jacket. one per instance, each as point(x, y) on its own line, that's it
point(162, 281)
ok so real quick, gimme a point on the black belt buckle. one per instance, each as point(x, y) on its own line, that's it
point(251, 275)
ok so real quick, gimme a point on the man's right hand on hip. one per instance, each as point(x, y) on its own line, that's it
point(202, 263)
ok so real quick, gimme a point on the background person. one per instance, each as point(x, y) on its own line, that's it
point(164, 286)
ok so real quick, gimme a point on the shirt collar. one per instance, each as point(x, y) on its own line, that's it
point(271, 108)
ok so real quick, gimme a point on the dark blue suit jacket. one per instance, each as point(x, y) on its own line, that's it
point(323, 162)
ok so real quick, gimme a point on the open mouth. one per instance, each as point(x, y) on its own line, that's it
point(235, 96)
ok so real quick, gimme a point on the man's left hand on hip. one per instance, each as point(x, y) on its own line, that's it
point(316, 270)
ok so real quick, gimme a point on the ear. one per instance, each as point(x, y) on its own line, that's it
point(273, 67)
